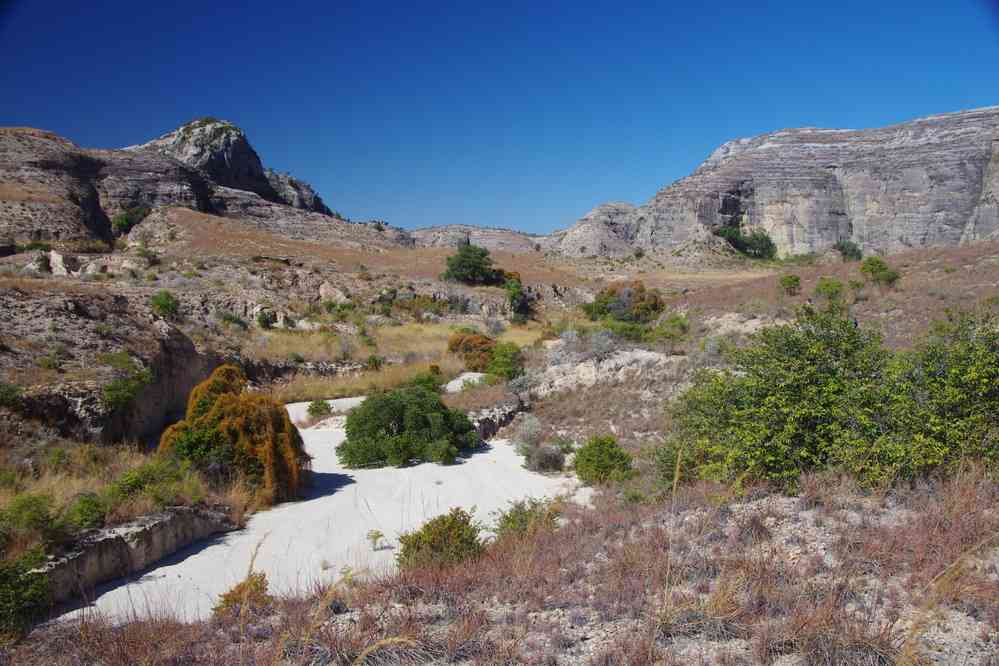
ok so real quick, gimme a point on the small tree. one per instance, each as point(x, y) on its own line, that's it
point(506, 361)
point(879, 272)
point(790, 284)
point(471, 264)
point(829, 289)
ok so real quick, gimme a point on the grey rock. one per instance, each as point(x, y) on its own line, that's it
point(296, 193)
point(604, 231)
point(490, 238)
point(927, 182)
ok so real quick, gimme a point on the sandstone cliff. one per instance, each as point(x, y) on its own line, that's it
point(927, 182)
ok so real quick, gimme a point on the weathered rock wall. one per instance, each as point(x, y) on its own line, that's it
point(100, 556)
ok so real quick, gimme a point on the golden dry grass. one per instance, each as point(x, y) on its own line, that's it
point(303, 388)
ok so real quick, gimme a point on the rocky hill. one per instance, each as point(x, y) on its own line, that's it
point(928, 182)
point(53, 190)
point(492, 238)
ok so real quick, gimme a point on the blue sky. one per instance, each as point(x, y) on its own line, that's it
point(518, 114)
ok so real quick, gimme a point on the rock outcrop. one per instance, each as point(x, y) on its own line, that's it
point(506, 240)
point(103, 555)
point(604, 231)
point(296, 193)
point(927, 182)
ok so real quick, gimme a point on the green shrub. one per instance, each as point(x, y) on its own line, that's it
point(823, 394)
point(445, 540)
point(848, 250)
point(431, 380)
point(165, 304)
point(756, 244)
point(601, 460)
point(879, 272)
point(671, 330)
point(231, 319)
point(543, 458)
point(790, 284)
point(374, 362)
point(829, 289)
point(24, 596)
point(519, 300)
point(525, 517)
point(471, 264)
point(625, 302)
point(122, 390)
point(266, 319)
point(123, 222)
point(86, 511)
point(506, 361)
point(27, 512)
point(319, 409)
point(10, 395)
point(405, 425)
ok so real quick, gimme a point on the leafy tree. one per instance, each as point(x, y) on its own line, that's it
point(402, 426)
point(626, 302)
point(446, 540)
point(876, 270)
point(471, 264)
point(829, 289)
point(519, 300)
point(123, 222)
point(601, 459)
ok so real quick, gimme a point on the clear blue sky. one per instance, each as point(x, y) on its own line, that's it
point(522, 114)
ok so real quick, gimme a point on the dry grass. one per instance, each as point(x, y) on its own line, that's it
point(478, 397)
point(305, 388)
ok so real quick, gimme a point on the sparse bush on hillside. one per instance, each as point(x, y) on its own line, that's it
point(829, 289)
point(231, 433)
point(790, 285)
point(24, 596)
point(671, 330)
point(626, 302)
point(10, 395)
point(879, 272)
point(448, 539)
point(165, 304)
point(525, 517)
point(405, 425)
point(266, 319)
point(821, 393)
point(472, 264)
point(848, 250)
point(123, 222)
point(131, 378)
point(756, 244)
point(544, 458)
point(248, 594)
point(601, 459)
point(520, 301)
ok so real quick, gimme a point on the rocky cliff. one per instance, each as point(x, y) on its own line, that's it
point(931, 181)
point(451, 235)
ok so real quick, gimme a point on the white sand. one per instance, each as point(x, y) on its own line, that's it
point(313, 539)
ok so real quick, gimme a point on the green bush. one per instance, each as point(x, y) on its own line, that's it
point(506, 361)
point(790, 284)
point(519, 300)
point(250, 593)
point(525, 517)
point(472, 264)
point(445, 540)
point(122, 390)
point(829, 289)
point(625, 302)
point(402, 426)
point(823, 394)
point(601, 460)
point(24, 596)
point(849, 250)
point(319, 409)
point(86, 511)
point(123, 222)
point(756, 244)
point(431, 380)
point(671, 330)
point(543, 458)
point(165, 304)
point(27, 512)
point(475, 349)
point(10, 395)
point(266, 319)
point(879, 272)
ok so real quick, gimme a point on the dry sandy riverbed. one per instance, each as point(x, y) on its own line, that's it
point(315, 538)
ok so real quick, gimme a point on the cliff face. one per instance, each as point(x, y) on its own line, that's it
point(931, 181)
point(296, 193)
